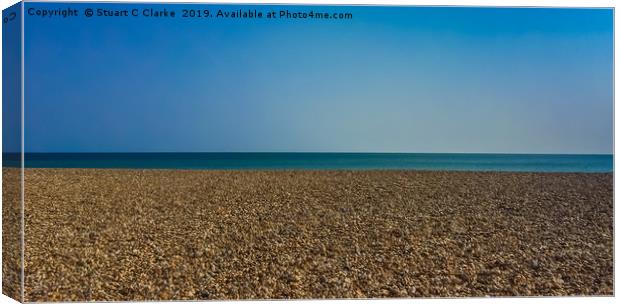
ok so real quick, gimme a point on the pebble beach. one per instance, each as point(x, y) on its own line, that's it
point(11, 232)
point(114, 235)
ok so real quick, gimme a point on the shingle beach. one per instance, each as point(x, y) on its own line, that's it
point(111, 235)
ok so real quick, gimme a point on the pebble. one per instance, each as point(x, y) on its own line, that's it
point(195, 235)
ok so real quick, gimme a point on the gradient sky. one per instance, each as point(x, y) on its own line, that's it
point(393, 79)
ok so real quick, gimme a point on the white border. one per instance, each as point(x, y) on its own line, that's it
point(494, 3)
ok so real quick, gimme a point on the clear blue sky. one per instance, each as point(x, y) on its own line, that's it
point(11, 81)
point(396, 79)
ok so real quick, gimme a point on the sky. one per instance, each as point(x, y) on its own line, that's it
point(392, 79)
point(11, 81)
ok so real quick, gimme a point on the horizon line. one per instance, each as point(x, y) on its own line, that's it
point(314, 152)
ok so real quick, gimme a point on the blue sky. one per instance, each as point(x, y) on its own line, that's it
point(393, 79)
point(11, 81)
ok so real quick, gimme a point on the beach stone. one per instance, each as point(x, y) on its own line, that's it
point(196, 235)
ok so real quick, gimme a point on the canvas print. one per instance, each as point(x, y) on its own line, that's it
point(212, 152)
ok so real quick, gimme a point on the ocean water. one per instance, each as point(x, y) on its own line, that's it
point(319, 161)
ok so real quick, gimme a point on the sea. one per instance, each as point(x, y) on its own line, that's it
point(324, 161)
